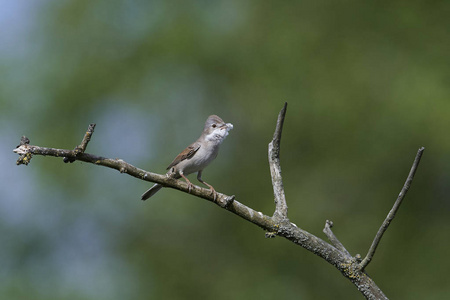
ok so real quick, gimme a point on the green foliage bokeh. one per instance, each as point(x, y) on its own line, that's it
point(366, 85)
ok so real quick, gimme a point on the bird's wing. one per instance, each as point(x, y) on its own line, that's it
point(185, 154)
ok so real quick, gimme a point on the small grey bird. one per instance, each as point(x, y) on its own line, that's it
point(197, 155)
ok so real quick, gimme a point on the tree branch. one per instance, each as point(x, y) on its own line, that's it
point(278, 224)
point(393, 211)
point(333, 239)
point(119, 165)
point(281, 208)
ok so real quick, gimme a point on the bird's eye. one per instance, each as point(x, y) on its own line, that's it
point(214, 125)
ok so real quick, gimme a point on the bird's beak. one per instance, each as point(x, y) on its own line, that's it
point(227, 126)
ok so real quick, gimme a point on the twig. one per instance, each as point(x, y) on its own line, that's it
point(392, 212)
point(333, 239)
point(82, 147)
point(281, 208)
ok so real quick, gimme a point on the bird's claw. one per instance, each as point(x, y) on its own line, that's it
point(190, 187)
point(214, 193)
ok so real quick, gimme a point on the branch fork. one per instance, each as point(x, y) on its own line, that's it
point(81, 147)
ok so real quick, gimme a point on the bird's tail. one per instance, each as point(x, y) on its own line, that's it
point(151, 191)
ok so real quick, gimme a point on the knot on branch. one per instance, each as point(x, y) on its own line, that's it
point(225, 201)
point(123, 165)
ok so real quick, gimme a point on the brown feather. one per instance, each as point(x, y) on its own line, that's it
point(185, 154)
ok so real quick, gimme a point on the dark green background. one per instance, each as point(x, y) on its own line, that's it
point(367, 84)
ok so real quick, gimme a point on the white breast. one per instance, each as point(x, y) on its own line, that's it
point(202, 158)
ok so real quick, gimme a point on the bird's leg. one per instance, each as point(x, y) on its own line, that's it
point(213, 191)
point(190, 185)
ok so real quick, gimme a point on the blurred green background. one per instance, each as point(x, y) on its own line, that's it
point(367, 84)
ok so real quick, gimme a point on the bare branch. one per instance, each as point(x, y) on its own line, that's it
point(279, 224)
point(393, 211)
point(333, 239)
point(281, 208)
point(118, 164)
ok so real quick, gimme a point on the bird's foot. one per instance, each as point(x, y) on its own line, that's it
point(213, 192)
point(190, 187)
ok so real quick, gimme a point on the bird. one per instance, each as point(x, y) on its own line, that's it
point(197, 156)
